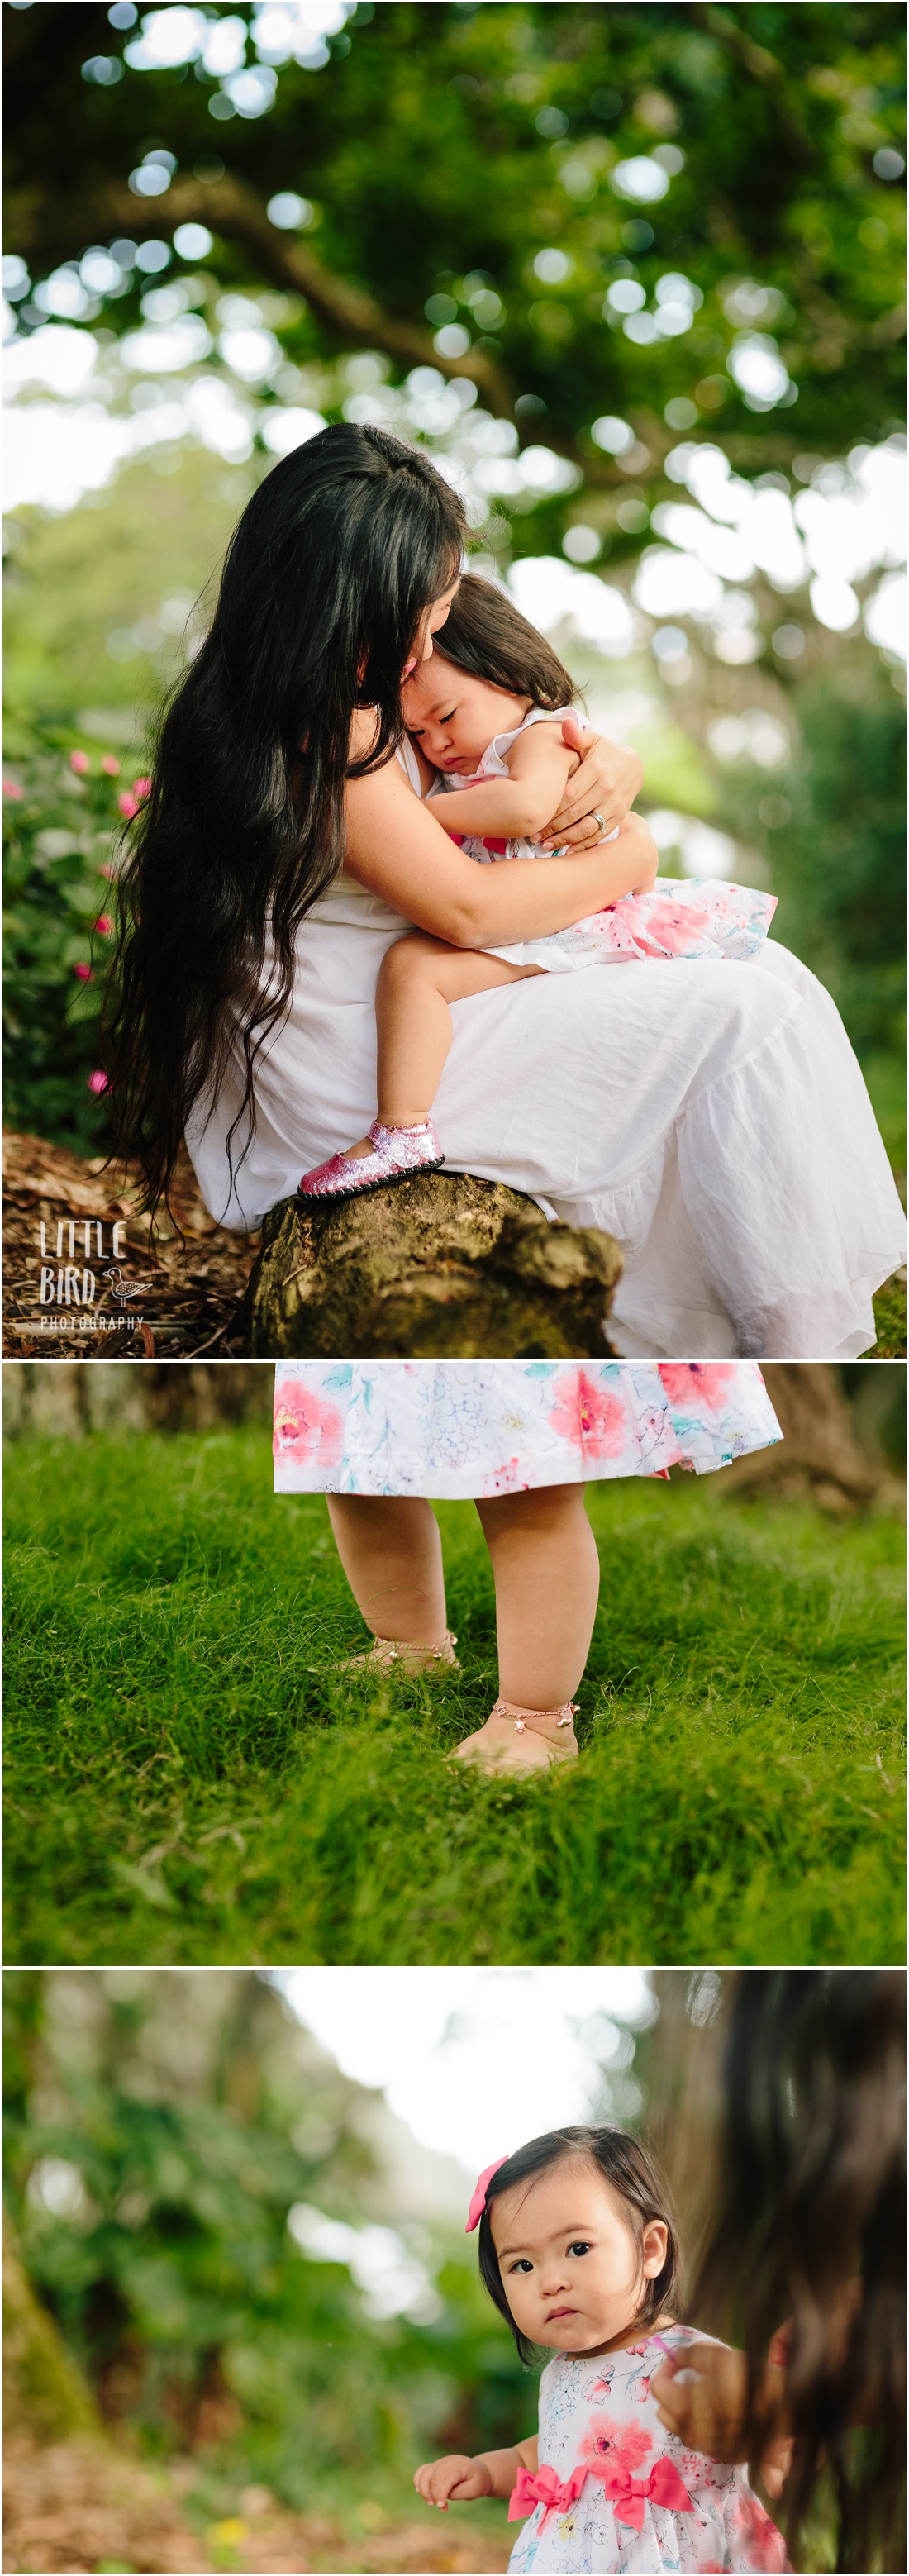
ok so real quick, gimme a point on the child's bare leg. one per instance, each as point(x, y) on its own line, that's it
point(418, 980)
point(547, 1579)
point(391, 1553)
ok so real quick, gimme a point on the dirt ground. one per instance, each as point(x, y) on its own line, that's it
point(113, 1295)
point(78, 2508)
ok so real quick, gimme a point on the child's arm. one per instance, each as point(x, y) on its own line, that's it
point(459, 2480)
point(539, 765)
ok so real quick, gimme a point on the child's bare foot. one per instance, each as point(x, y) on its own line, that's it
point(521, 1739)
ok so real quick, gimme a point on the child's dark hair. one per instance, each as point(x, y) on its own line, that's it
point(631, 2172)
point(485, 634)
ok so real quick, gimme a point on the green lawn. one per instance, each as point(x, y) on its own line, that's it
point(191, 1780)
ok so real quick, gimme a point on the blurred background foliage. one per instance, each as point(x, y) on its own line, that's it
point(633, 275)
point(165, 2136)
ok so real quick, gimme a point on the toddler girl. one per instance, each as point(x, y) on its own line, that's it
point(522, 1438)
point(578, 2250)
point(484, 715)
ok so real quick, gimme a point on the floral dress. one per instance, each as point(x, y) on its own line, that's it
point(613, 2491)
point(456, 1428)
point(693, 917)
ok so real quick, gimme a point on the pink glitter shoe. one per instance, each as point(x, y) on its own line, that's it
point(397, 1152)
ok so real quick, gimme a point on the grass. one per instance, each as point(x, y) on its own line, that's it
point(890, 1320)
point(193, 1780)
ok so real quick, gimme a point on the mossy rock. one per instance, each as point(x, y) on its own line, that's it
point(443, 1266)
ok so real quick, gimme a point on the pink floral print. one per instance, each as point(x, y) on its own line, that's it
point(637, 2499)
point(613, 2445)
point(475, 1427)
point(587, 1413)
point(306, 1428)
point(697, 1382)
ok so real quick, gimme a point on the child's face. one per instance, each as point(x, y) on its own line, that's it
point(453, 716)
point(571, 2271)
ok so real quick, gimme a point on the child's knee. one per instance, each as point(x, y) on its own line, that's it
point(404, 962)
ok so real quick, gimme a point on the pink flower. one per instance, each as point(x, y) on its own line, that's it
point(98, 1082)
point(127, 805)
point(698, 1382)
point(79, 761)
point(10, 789)
point(84, 974)
point(107, 871)
point(613, 2445)
point(504, 1479)
point(306, 1426)
point(104, 924)
point(142, 787)
point(586, 1415)
point(110, 766)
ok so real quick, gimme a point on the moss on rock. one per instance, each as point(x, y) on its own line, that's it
point(440, 1266)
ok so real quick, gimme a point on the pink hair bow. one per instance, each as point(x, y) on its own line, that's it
point(478, 2202)
point(628, 2496)
point(545, 2489)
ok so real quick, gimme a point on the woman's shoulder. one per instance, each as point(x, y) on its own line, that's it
point(399, 766)
point(364, 732)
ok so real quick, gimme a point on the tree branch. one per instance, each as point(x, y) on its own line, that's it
point(763, 67)
point(230, 207)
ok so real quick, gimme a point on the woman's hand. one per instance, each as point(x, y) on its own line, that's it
point(701, 2394)
point(601, 792)
point(454, 2480)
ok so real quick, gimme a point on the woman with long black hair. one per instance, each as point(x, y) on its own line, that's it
point(804, 2259)
point(713, 1118)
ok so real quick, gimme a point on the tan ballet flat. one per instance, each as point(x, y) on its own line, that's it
point(384, 1656)
point(521, 1739)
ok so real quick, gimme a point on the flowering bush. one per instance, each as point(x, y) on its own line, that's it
point(64, 810)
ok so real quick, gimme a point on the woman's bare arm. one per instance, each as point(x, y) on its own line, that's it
point(397, 849)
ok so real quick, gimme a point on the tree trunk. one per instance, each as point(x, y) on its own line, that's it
point(680, 2060)
point(44, 2395)
point(819, 1450)
point(443, 1266)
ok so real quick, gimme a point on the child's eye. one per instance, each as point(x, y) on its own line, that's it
point(581, 2246)
point(522, 2265)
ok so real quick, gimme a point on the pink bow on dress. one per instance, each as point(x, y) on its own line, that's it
point(628, 2496)
point(478, 2202)
point(545, 2489)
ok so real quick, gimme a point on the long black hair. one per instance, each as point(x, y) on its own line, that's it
point(328, 574)
point(810, 2230)
point(632, 2174)
point(485, 634)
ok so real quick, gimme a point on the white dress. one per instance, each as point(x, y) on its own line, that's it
point(456, 1428)
point(617, 2493)
point(713, 1119)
